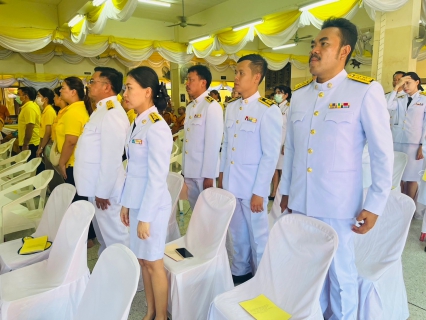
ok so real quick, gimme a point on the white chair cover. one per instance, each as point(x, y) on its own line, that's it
point(291, 273)
point(194, 282)
point(15, 216)
point(19, 158)
point(52, 289)
point(112, 286)
point(382, 293)
point(174, 184)
point(56, 206)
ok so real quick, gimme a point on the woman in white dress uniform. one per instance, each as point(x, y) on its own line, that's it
point(145, 198)
point(409, 129)
point(282, 98)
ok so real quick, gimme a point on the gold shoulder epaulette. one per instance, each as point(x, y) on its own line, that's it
point(401, 96)
point(360, 78)
point(154, 116)
point(302, 84)
point(423, 93)
point(110, 105)
point(233, 99)
point(267, 102)
point(209, 99)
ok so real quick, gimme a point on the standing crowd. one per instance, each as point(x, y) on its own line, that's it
point(309, 143)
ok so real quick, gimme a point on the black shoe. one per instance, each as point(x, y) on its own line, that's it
point(242, 279)
point(271, 198)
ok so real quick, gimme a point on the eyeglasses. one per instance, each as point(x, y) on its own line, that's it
point(91, 81)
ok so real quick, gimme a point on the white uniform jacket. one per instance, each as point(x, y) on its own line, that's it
point(284, 108)
point(98, 169)
point(390, 98)
point(409, 126)
point(148, 149)
point(203, 135)
point(328, 126)
point(251, 146)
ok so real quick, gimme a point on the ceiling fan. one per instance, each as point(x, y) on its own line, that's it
point(296, 38)
point(183, 22)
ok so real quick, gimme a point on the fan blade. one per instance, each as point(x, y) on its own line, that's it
point(195, 24)
point(174, 25)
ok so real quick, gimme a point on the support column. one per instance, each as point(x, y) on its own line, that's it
point(393, 36)
point(178, 88)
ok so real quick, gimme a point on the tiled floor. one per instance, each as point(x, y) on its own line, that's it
point(413, 259)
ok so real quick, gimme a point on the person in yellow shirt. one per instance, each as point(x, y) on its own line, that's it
point(61, 104)
point(215, 95)
point(45, 100)
point(70, 126)
point(28, 121)
point(131, 114)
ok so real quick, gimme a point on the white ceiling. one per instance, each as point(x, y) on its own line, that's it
point(153, 12)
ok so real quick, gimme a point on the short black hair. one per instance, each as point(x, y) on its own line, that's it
point(398, 72)
point(114, 76)
point(48, 94)
point(257, 64)
point(148, 78)
point(348, 32)
point(415, 77)
point(29, 91)
point(216, 93)
point(284, 89)
point(203, 72)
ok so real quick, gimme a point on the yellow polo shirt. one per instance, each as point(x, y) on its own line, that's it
point(47, 117)
point(30, 113)
point(55, 123)
point(71, 122)
point(131, 114)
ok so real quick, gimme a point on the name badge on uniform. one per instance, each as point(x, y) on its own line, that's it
point(339, 105)
point(197, 116)
point(419, 104)
point(250, 119)
point(137, 141)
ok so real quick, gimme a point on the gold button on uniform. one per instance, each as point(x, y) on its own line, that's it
point(316, 86)
point(316, 113)
point(312, 131)
point(321, 94)
point(329, 85)
point(235, 135)
point(232, 162)
point(241, 108)
point(186, 152)
point(186, 140)
point(310, 150)
point(187, 129)
point(309, 170)
point(190, 117)
point(233, 149)
point(238, 121)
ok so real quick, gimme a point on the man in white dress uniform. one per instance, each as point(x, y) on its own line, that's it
point(394, 95)
point(203, 134)
point(98, 171)
point(249, 157)
point(330, 120)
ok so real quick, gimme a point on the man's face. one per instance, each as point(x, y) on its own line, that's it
point(97, 86)
point(396, 79)
point(181, 111)
point(195, 86)
point(24, 98)
point(327, 56)
point(245, 80)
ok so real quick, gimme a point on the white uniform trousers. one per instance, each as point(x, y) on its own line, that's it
point(108, 226)
point(340, 291)
point(250, 232)
point(195, 187)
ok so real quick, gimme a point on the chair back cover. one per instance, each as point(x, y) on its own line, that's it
point(209, 222)
point(174, 184)
point(68, 258)
point(56, 206)
point(378, 249)
point(399, 164)
point(112, 286)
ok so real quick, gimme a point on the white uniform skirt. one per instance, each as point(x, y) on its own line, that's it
point(411, 172)
point(150, 249)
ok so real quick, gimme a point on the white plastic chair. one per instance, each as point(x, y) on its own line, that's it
point(56, 206)
point(112, 286)
point(382, 293)
point(18, 172)
point(52, 289)
point(15, 216)
point(6, 149)
point(174, 184)
point(194, 282)
point(291, 273)
point(19, 158)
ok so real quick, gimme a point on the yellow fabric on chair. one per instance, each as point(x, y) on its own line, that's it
point(33, 245)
